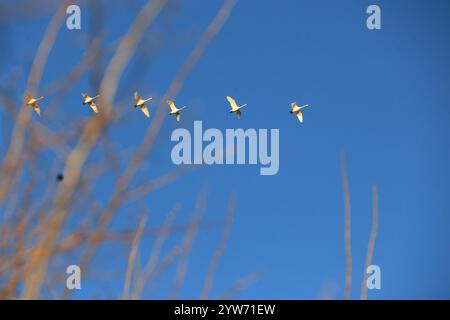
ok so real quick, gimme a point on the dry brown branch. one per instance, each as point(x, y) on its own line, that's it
point(158, 183)
point(132, 256)
point(347, 230)
point(49, 219)
point(34, 78)
point(241, 284)
point(220, 249)
point(154, 254)
point(37, 265)
point(187, 244)
point(122, 183)
point(372, 239)
point(165, 263)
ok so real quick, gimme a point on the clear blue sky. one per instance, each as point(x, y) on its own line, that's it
point(381, 96)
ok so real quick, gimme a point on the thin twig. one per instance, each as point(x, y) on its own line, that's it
point(176, 85)
point(220, 249)
point(188, 243)
point(347, 230)
point(23, 118)
point(241, 285)
point(132, 256)
point(37, 265)
point(372, 239)
point(154, 254)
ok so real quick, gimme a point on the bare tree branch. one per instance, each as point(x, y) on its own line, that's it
point(372, 239)
point(132, 256)
point(347, 230)
point(221, 248)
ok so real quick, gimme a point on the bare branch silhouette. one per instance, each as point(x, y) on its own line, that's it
point(154, 254)
point(221, 248)
point(53, 213)
point(372, 239)
point(347, 231)
point(132, 256)
point(35, 75)
point(241, 284)
point(187, 244)
point(39, 259)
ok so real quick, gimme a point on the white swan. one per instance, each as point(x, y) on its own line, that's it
point(174, 110)
point(140, 103)
point(234, 106)
point(297, 110)
point(90, 101)
point(32, 102)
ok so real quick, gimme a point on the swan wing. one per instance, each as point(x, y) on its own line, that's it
point(37, 109)
point(232, 102)
point(145, 111)
point(172, 106)
point(94, 107)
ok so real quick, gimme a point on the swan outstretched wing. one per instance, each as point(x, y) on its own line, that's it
point(232, 102)
point(171, 105)
point(300, 116)
point(145, 111)
point(37, 109)
point(94, 107)
point(137, 97)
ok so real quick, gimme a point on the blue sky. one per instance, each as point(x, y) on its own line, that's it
point(381, 96)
